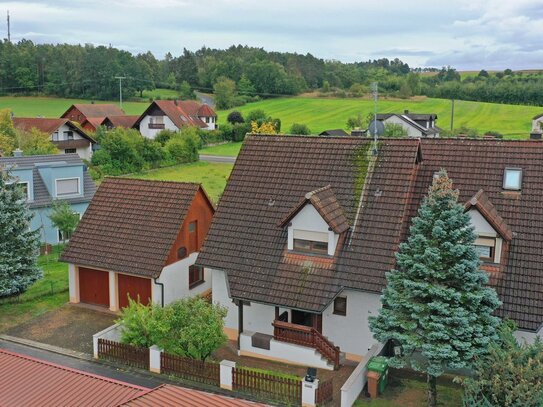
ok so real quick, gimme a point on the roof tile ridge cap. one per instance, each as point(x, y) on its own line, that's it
point(309, 195)
point(474, 200)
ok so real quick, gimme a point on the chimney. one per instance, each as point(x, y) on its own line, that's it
point(17, 152)
point(406, 111)
point(535, 135)
point(175, 101)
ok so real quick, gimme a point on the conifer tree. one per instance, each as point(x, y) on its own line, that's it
point(436, 304)
point(19, 246)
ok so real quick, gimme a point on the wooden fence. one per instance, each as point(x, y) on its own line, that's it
point(191, 369)
point(267, 386)
point(325, 392)
point(124, 353)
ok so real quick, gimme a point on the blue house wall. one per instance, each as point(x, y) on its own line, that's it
point(41, 222)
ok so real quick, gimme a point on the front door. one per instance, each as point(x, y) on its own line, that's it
point(307, 319)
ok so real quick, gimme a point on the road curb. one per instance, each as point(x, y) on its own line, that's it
point(46, 347)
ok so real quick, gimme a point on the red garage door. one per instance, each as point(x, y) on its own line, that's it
point(133, 286)
point(93, 286)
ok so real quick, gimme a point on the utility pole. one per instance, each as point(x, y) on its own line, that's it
point(452, 114)
point(9, 30)
point(120, 78)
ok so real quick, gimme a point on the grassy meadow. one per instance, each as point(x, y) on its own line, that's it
point(227, 149)
point(212, 176)
point(514, 121)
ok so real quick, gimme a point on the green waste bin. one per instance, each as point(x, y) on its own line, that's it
point(379, 364)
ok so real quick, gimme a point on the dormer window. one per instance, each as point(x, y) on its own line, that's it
point(512, 179)
point(486, 247)
point(310, 246)
point(67, 186)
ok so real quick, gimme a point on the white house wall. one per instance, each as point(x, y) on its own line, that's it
point(151, 133)
point(175, 278)
point(411, 130)
point(480, 224)
point(220, 295)
point(351, 332)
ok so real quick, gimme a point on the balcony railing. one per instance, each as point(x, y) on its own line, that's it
point(156, 125)
point(306, 336)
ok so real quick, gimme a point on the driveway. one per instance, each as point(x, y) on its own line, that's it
point(68, 327)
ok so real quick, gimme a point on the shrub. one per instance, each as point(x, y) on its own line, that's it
point(164, 135)
point(183, 146)
point(235, 117)
point(298, 128)
point(227, 131)
point(189, 327)
point(257, 115)
point(240, 130)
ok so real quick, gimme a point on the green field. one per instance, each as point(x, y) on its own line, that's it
point(54, 107)
point(212, 176)
point(322, 114)
point(161, 94)
point(228, 149)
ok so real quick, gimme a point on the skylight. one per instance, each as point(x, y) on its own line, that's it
point(512, 179)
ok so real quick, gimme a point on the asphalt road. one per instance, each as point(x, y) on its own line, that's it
point(217, 159)
point(96, 368)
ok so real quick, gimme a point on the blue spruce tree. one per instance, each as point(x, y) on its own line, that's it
point(19, 246)
point(436, 301)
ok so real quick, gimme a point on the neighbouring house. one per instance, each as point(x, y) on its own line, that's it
point(110, 122)
point(139, 238)
point(64, 386)
point(174, 115)
point(308, 227)
point(537, 123)
point(47, 178)
point(416, 124)
point(65, 135)
point(334, 132)
point(82, 112)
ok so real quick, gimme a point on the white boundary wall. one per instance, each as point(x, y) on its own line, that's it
point(112, 333)
point(354, 385)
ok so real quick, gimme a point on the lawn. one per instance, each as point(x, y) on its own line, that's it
point(54, 107)
point(228, 149)
point(44, 295)
point(213, 176)
point(408, 389)
point(161, 94)
point(321, 114)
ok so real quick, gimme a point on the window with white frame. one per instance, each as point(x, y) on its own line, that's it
point(67, 186)
point(512, 179)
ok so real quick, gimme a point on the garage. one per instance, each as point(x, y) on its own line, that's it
point(94, 286)
point(133, 286)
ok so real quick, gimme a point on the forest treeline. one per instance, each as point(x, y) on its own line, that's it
point(87, 71)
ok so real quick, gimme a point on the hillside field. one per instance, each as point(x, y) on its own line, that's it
point(321, 114)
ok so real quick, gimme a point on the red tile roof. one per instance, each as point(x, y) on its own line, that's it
point(181, 112)
point(168, 395)
point(96, 109)
point(130, 225)
point(125, 121)
point(244, 239)
point(46, 125)
point(481, 202)
point(29, 382)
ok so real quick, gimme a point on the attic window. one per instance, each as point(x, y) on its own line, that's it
point(486, 247)
point(512, 179)
point(310, 246)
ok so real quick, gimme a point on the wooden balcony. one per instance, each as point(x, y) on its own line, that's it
point(159, 126)
point(306, 336)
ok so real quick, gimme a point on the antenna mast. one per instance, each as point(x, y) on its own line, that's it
point(9, 30)
point(375, 93)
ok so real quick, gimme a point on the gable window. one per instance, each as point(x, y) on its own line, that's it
point(55, 136)
point(512, 179)
point(70, 151)
point(181, 253)
point(310, 246)
point(486, 248)
point(340, 306)
point(196, 276)
point(69, 135)
point(67, 186)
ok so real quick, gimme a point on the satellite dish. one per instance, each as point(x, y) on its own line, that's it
point(376, 128)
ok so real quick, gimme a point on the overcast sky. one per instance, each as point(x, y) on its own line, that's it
point(467, 34)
